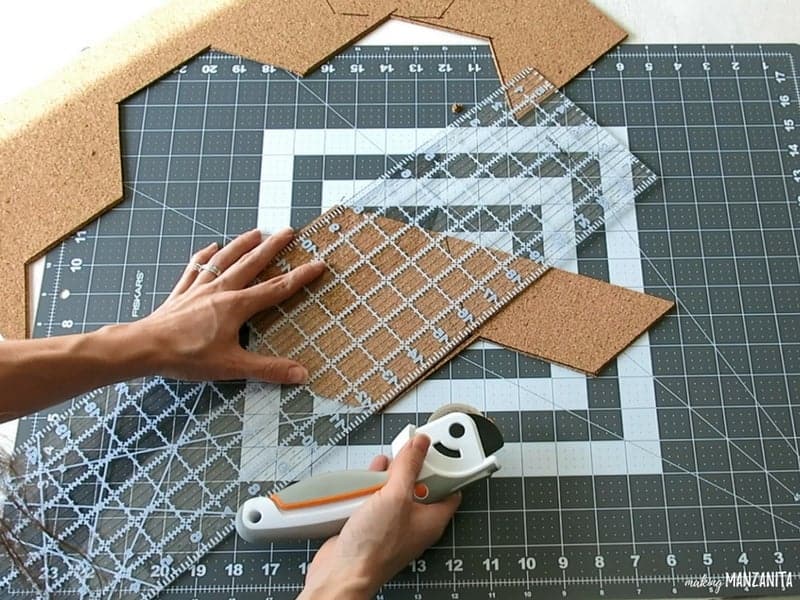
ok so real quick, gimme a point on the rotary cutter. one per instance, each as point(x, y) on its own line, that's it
point(463, 444)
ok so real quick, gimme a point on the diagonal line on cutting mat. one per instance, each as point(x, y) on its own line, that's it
point(591, 423)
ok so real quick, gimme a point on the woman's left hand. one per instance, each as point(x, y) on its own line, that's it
point(194, 335)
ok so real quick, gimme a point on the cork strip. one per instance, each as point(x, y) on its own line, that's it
point(398, 300)
point(59, 144)
point(573, 320)
point(394, 301)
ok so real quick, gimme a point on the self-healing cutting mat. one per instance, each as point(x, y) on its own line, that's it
point(184, 486)
point(397, 299)
point(577, 510)
point(392, 298)
point(620, 483)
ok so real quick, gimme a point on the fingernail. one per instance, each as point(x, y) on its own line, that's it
point(297, 374)
point(261, 234)
point(210, 246)
point(284, 232)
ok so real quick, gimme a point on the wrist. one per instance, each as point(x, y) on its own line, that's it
point(129, 348)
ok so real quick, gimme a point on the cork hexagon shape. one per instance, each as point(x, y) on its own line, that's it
point(59, 144)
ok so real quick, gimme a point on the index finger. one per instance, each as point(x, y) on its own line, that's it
point(404, 470)
point(249, 265)
point(268, 293)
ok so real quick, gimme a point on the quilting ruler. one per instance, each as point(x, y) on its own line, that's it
point(397, 299)
point(129, 540)
point(653, 479)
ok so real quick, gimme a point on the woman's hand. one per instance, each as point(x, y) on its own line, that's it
point(383, 535)
point(195, 333)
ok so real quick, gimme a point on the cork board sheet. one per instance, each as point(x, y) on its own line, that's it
point(59, 144)
point(398, 300)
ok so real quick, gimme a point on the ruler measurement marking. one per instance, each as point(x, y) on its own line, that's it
point(440, 276)
point(497, 158)
point(543, 88)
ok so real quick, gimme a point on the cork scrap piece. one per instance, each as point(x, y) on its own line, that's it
point(59, 144)
point(394, 301)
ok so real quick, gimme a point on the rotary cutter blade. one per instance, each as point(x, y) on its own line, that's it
point(488, 433)
point(446, 409)
point(463, 444)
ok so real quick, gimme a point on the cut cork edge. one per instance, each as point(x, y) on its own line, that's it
point(60, 161)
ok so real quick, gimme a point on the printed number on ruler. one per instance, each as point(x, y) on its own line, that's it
point(399, 298)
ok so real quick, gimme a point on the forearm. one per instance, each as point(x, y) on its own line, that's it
point(193, 335)
point(35, 374)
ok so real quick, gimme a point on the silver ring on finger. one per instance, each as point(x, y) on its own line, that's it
point(208, 267)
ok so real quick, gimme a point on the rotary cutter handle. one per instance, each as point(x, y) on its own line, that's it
point(461, 451)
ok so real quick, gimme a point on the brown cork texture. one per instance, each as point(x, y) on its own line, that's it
point(558, 38)
point(574, 320)
point(59, 144)
point(393, 291)
point(394, 300)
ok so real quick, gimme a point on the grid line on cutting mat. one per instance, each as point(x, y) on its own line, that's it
point(488, 149)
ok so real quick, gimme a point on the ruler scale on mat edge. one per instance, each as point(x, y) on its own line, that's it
point(431, 583)
point(527, 90)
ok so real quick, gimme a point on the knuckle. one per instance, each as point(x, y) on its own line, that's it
point(219, 301)
point(282, 284)
point(247, 257)
point(271, 374)
point(214, 304)
point(399, 494)
point(253, 261)
point(214, 287)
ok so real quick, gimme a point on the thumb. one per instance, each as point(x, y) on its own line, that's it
point(273, 369)
point(404, 470)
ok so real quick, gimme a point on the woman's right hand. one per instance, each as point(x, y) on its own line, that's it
point(387, 532)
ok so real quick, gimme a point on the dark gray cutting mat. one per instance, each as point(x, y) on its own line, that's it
point(717, 125)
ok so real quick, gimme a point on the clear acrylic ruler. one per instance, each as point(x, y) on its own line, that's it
point(399, 298)
point(125, 522)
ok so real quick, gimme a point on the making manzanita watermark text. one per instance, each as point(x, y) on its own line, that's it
point(744, 580)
